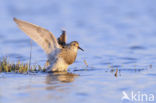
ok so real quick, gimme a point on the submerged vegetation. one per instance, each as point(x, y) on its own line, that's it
point(6, 66)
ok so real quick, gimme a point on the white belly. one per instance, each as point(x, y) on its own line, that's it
point(59, 65)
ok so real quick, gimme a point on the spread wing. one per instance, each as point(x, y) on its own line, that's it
point(41, 36)
point(62, 39)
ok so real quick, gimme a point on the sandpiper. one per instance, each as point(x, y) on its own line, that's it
point(60, 54)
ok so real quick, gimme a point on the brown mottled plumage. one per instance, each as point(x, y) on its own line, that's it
point(68, 49)
point(60, 54)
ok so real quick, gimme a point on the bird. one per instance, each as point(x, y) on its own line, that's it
point(60, 54)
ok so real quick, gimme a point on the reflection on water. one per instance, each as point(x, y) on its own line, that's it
point(62, 77)
point(65, 77)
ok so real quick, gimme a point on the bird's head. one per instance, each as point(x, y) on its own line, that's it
point(75, 45)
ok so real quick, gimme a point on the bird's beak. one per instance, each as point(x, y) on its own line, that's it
point(80, 48)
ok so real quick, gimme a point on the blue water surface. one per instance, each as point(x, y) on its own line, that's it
point(117, 36)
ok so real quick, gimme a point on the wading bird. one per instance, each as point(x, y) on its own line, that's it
point(60, 54)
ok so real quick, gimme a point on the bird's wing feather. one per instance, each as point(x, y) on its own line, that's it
point(41, 36)
point(63, 38)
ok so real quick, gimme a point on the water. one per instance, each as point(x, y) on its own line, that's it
point(116, 35)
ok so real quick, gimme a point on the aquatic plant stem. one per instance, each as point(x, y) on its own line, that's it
point(30, 55)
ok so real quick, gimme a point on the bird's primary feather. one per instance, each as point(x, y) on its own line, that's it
point(62, 39)
point(41, 36)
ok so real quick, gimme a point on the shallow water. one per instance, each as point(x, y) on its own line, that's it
point(117, 36)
